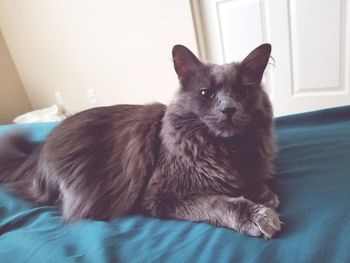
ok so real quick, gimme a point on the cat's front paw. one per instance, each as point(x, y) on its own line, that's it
point(266, 221)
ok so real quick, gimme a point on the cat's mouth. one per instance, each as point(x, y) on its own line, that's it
point(227, 127)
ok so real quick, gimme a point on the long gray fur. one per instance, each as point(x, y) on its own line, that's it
point(202, 158)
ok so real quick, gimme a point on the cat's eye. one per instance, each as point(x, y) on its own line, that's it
point(207, 93)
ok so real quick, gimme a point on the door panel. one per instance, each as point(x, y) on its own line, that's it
point(310, 46)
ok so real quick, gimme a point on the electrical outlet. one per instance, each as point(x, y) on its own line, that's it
point(91, 96)
point(59, 98)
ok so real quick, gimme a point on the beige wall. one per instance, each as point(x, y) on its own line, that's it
point(13, 99)
point(122, 49)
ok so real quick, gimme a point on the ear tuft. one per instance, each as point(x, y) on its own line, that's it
point(185, 62)
point(253, 66)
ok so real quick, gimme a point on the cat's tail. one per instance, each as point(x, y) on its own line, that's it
point(18, 157)
point(19, 169)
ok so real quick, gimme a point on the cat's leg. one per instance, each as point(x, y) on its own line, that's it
point(238, 213)
point(263, 195)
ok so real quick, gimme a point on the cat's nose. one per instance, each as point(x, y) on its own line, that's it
point(229, 111)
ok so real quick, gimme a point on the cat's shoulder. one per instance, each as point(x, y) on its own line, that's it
point(154, 109)
point(117, 115)
point(120, 111)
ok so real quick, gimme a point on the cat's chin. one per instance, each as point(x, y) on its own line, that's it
point(224, 131)
point(223, 127)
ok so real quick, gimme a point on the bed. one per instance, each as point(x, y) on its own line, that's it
point(312, 180)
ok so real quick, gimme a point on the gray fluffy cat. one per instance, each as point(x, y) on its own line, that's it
point(205, 157)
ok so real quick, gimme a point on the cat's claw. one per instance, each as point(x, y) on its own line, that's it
point(266, 221)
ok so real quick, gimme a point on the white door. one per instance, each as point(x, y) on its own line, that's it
point(310, 45)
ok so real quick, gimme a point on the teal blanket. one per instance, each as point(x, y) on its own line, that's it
point(312, 180)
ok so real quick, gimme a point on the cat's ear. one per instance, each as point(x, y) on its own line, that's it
point(253, 66)
point(185, 62)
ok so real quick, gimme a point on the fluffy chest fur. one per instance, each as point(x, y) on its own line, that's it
point(193, 162)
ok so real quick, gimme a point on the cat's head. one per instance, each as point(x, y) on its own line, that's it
point(225, 98)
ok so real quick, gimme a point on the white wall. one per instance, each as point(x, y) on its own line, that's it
point(13, 99)
point(122, 49)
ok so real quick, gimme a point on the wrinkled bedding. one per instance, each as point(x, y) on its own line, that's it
point(312, 180)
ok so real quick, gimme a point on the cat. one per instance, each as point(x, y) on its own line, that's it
point(205, 157)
